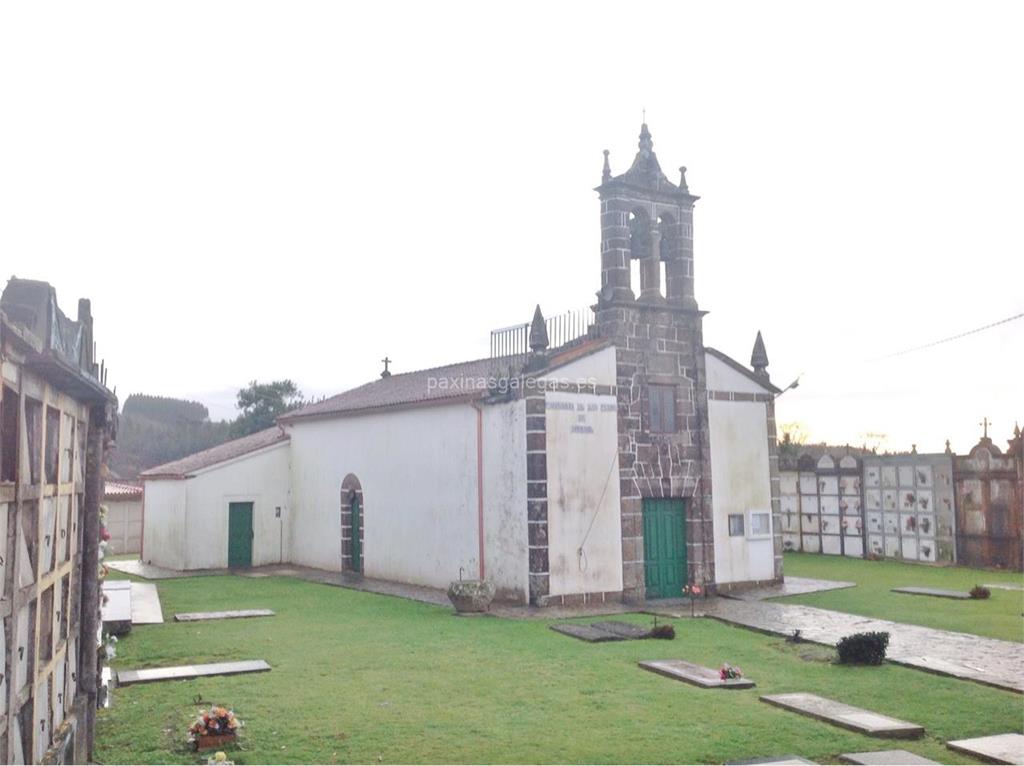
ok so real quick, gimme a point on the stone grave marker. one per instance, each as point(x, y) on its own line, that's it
point(961, 595)
point(886, 758)
point(586, 633)
point(698, 675)
point(998, 748)
point(846, 716)
point(624, 629)
point(149, 675)
point(241, 613)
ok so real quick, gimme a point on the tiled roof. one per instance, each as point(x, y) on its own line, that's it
point(121, 490)
point(453, 382)
point(179, 469)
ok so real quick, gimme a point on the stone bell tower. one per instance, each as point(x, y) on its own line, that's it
point(656, 326)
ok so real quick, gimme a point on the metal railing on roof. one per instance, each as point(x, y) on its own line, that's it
point(563, 329)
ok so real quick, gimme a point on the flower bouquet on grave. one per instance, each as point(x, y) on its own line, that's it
point(728, 672)
point(213, 728)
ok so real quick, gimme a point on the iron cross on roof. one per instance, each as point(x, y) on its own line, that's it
point(985, 424)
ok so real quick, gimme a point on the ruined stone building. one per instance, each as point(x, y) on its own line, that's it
point(614, 458)
point(55, 421)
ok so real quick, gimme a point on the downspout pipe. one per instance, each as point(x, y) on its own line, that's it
point(475, 404)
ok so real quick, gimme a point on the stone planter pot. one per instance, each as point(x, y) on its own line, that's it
point(471, 596)
point(211, 741)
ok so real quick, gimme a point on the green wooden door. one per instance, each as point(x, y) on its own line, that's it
point(664, 547)
point(239, 535)
point(357, 543)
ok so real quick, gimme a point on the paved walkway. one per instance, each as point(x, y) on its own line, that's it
point(963, 655)
point(793, 586)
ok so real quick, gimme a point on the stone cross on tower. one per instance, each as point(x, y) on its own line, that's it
point(387, 372)
point(984, 424)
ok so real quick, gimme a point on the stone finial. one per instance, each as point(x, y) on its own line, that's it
point(1016, 430)
point(949, 450)
point(606, 173)
point(538, 332)
point(646, 142)
point(759, 357)
point(913, 449)
point(682, 180)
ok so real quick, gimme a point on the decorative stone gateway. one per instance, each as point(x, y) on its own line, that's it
point(471, 596)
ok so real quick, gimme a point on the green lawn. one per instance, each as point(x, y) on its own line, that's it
point(364, 678)
point(998, 616)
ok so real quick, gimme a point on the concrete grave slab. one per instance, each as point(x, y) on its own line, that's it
point(623, 629)
point(780, 760)
point(999, 748)
point(241, 613)
point(1005, 586)
point(149, 675)
point(586, 633)
point(886, 758)
point(698, 675)
point(116, 609)
point(961, 595)
point(846, 716)
point(146, 604)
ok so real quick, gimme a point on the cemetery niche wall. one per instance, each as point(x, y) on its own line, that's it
point(894, 506)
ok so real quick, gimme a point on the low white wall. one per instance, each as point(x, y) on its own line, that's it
point(583, 493)
point(417, 470)
point(740, 483)
point(163, 523)
point(124, 523)
point(261, 478)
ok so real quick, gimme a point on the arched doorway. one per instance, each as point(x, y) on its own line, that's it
point(353, 554)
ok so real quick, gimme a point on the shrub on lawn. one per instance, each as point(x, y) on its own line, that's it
point(863, 648)
point(980, 591)
point(662, 631)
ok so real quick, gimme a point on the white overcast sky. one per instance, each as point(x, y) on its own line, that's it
point(267, 190)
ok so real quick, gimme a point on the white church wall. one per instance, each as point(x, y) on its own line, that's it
point(506, 550)
point(261, 478)
point(583, 493)
point(163, 523)
point(740, 484)
point(598, 368)
point(417, 470)
point(722, 377)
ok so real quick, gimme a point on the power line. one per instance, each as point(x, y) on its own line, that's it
point(949, 339)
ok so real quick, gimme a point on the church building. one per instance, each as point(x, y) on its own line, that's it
point(612, 457)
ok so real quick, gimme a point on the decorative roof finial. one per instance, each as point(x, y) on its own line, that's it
point(949, 450)
point(985, 424)
point(682, 180)
point(1016, 430)
point(606, 174)
point(387, 372)
point(759, 357)
point(538, 332)
point(913, 449)
point(646, 142)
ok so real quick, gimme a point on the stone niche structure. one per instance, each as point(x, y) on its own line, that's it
point(659, 339)
point(990, 504)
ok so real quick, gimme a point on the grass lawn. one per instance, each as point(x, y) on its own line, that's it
point(998, 616)
point(364, 678)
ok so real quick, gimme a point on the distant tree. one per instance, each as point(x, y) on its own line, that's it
point(163, 409)
point(154, 430)
point(260, 404)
